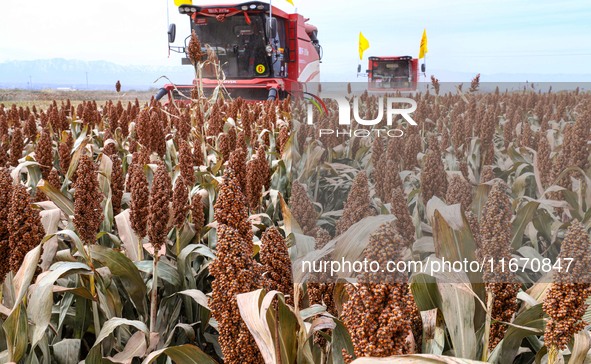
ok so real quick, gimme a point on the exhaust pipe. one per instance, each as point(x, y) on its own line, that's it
point(272, 94)
point(161, 93)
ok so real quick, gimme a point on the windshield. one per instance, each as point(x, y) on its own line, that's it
point(397, 70)
point(239, 43)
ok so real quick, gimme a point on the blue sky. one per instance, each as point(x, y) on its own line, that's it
point(465, 37)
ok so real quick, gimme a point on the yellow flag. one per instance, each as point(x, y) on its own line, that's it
point(363, 45)
point(423, 50)
point(183, 2)
point(291, 2)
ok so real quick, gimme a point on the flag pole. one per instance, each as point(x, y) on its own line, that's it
point(167, 26)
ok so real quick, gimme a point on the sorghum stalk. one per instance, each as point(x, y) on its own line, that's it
point(154, 293)
point(487, 326)
point(95, 313)
point(320, 292)
point(195, 54)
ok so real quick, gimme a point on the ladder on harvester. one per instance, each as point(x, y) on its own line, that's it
point(292, 39)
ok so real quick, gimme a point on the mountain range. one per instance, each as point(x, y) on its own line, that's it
point(76, 74)
point(102, 75)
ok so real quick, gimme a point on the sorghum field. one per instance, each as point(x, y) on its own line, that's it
point(141, 233)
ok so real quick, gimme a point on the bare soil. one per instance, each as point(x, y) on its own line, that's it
point(42, 98)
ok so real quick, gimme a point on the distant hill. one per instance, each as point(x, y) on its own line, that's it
point(58, 73)
point(454, 76)
point(102, 75)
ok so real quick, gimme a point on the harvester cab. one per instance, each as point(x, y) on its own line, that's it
point(262, 51)
point(393, 73)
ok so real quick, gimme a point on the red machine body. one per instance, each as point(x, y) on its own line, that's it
point(393, 73)
point(264, 51)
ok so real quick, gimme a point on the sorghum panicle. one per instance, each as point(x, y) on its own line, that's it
point(24, 226)
point(459, 191)
point(54, 179)
point(257, 177)
point(358, 205)
point(224, 146)
point(186, 163)
point(44, 153)
point(487, 174)
point(495, 235)
point(475, 84)
point(194, 50)
point(87, 200)
point(302, 209)
point(377, 149)
point(412, 148)
point(156, 135)
point(180, 202)
point(160, 198)
point(30, 127)
point(237, 163)
point(197, 215)
point(140, 194)
point(16, 146)
point(433, 177)
point(282, 138)
point(64, 157)
point(230, 207)
point(379, 313)
point(233, 273)
point(404, 223)
point(277, 264)
point(5, 196)
point(3, 125)
point(565, 303)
